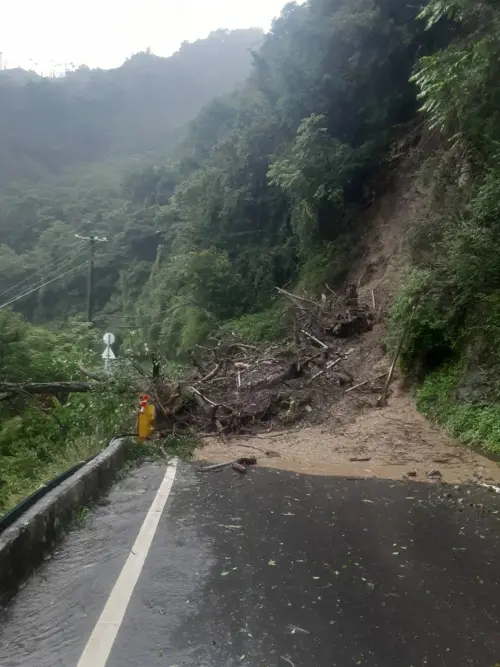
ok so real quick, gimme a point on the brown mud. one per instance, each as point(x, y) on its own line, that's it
point(397, 441)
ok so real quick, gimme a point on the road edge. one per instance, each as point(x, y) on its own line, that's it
point(25, 544)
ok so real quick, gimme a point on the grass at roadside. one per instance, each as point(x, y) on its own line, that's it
point(21, 476)
point(475, 424)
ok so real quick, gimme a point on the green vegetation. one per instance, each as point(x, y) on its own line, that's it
point(263, 187)
point(42, 435)
point(266, 326)
point(91, 115)
point(278, 172)
point(475, 423)
point(455, 280)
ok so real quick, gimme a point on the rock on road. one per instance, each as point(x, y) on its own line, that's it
point(272, 569)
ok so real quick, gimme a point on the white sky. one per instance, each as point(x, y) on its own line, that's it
point(102, 33)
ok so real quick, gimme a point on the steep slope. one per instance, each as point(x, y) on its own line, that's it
point(346, 433)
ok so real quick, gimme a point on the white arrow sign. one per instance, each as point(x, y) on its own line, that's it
point(108, 354)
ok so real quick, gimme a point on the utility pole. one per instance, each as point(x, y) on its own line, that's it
point(90, 277)
point(90, 280)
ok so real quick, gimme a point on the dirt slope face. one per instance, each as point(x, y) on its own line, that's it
point(352, 436)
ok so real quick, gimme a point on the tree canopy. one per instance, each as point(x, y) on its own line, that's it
point(261, 188)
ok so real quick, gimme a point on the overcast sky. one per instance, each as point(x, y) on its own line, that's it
point(102, 33)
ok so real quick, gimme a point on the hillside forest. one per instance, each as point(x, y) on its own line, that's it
point(243, 163)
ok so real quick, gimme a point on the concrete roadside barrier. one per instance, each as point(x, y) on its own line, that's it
point(30, 537)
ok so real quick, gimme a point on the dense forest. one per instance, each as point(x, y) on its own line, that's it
point(262, 188)
point(265, 185)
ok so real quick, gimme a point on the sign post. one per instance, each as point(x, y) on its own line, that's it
point(108, 353)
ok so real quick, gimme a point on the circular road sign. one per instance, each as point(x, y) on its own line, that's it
point(108, 338)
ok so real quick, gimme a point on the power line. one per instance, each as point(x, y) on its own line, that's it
point(39, 271)
point(44, 268)
point(140, 327)
point(50, 274)
point(48, 282)
point(135, 317)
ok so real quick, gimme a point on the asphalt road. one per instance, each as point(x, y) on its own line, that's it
point(273, 569)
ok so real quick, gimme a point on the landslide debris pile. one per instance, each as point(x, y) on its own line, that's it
point(234, 387)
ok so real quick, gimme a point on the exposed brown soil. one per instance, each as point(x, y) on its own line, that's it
point(396, 440)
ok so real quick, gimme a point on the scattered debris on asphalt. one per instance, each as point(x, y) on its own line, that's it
point(490, 487)
point(295, 628)
point(240, 465)
point(247, 460)
point(216, 467)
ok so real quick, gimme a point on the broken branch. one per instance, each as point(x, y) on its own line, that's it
point(293, 297)
point(382, 399)
point(212, 374)
point(50, 387)
point(331, 364)
point(362, 384)
point(216, 466)
point(316, 340)
point(207, 400)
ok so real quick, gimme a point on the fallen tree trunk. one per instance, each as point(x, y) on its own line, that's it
point(50, 387)
point(382, 399)
point(292, 372)
point(294, 298)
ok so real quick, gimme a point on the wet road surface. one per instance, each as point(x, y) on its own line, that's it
point(273, 569)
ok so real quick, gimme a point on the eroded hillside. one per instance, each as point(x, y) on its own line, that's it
point(340, 428)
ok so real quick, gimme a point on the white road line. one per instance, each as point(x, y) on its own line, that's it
point(100, 643)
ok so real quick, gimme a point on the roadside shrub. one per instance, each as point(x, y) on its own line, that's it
point(475, 424)
point(41, 435)
point(431, 336)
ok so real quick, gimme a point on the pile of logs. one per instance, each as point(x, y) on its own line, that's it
point(234, 387)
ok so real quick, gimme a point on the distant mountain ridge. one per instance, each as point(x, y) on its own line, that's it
point(92, 114)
